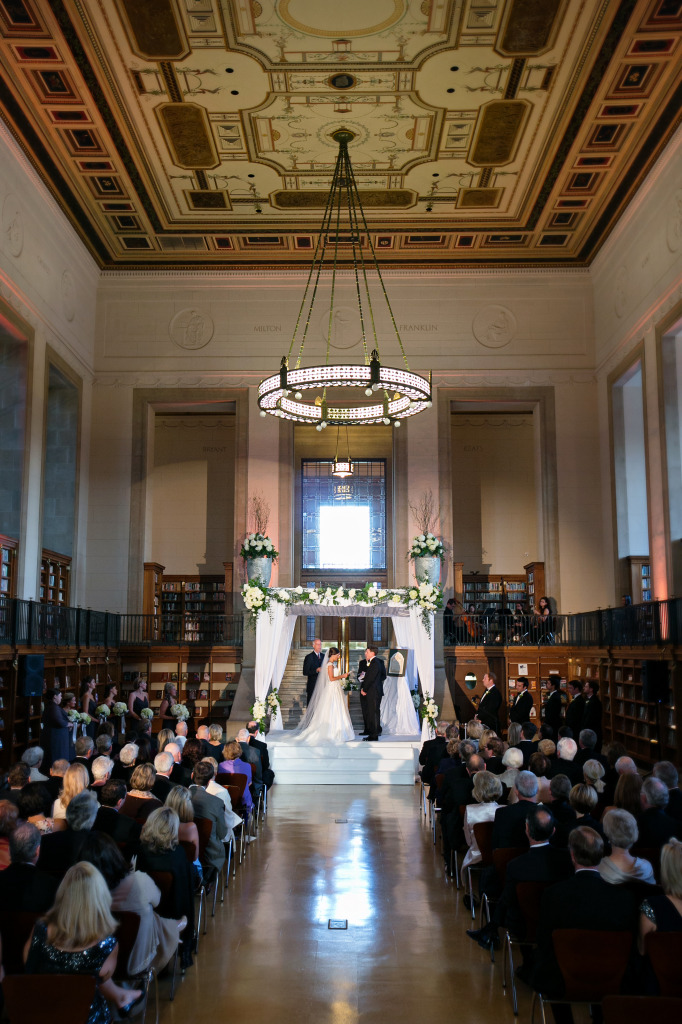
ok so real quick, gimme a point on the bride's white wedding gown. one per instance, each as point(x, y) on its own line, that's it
point(326, 719)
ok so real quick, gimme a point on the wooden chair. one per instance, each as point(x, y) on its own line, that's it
point(59, 998)
point(635, 1009)
point(200, 890)
point(592, 964)
point(15, 928)
point(483, 834)
point(529, 896)
point(165, 882)
point(205, 829)
point(235, 784)
point(126, 936)
point(664, 950)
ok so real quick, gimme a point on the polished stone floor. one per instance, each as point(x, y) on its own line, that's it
point(270, 956)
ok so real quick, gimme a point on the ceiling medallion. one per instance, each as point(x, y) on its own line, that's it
point(339, 393)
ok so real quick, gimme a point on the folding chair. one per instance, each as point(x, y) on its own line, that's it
point(126, 936)
point(483, 833)
point(165, 882)
point(200, 889)
point(205, 829)
point(664, 950)
point(592, 964)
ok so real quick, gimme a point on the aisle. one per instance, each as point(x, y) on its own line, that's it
point(269, 955)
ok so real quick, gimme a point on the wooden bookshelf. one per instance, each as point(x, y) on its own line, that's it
point(55, 578)
point(535, 583)
point(492, 593)
point(8, 566)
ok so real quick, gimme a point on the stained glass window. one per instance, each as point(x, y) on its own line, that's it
point(344, 520)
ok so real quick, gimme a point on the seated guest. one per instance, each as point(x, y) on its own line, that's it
point(565, 763)
point(214, 743)
point(146, 745)
point(262, 748)
point(252, 756)
point(232, 763)
point(76, 779)
point(9, 816)
point(210, 808)
point(560, 791)
point(620, 828)
point(104, 746)
point(17, 777)
point(583, 800)
point(474, 732)
point(432, 753)
point(628, 794)
point(59, 850)
point(612, 752)
point(582, 901)
point(77, 937)
point(163, 766)
point(514, 734)
point(192, 753)
point(33, 757)
point(528, 744)
point(455, 792)
point(56, 780)
point(181, 733)
point(493, 754)
point(548, 748)
point(102, 768)
point(125, 766)
point(663, 912)
point(35, 804)
point(593, 775)
point(177, 771)
point(512, 762)
point(180, 801)
point(232, 820)
point(509, 828)
point(134, 892)
point(451, 760)
point(163, 737)
point(140, 801)
point(160, 851)
point(667, 773)
point(85, 748)
point(487, 791)
point(123, 830)
point(656, 828)
point(23, 886)
point(202, 736)
point(587, 748)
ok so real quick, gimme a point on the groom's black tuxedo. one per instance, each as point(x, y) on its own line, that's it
point(372, 684)
point(362, 667)
point(311, 664)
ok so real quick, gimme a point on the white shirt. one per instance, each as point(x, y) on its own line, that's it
point(180, 740)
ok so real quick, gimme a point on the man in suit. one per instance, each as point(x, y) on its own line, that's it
point(582, 901)
point(456, 792)
point(668, 774)
point(656, 827)
point(85, 747)
point(211, 808)
point(523, 703)
point(371, 689)
point(554, 712)
point(509, 827)
point(565, 763)
point(432, 753)
point(592, 712)
point(125, 766)
point(528, 744)
point(102, 768)
point(59, 850)
point(576, 707)
point(180, 774)
point(262, 748)
point(311, 667)
point(252, 757)
point(490, 703)
point(120, 827)
point(22, 885)
point(587, 749)
point(362, 669)
point(163, 764)
point(542, 863)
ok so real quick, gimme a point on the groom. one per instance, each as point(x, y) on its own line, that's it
point(372, 689)
point(311, 667)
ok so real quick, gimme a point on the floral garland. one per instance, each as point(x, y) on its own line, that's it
point(428, 711)
point(426, 545)
point(257, 545)
point(425, 596)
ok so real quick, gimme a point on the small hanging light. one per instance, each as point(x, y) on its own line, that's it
point(342, 467)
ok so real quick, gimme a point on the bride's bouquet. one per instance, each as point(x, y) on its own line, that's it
point(349, 685)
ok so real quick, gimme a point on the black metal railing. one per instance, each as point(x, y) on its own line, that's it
point(187, 628)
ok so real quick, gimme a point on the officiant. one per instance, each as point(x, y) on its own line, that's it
point(311, 667)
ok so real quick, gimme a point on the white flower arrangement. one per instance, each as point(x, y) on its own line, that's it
point(146, 713)
point(257, 545)
point(119, 708)
point(258, 713)
point(84, 718)
point(103, 710)
point(180, 712)
point(428, 597)
point(429, 711)
point(426, 545)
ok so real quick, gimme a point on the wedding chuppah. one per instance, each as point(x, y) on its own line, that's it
point(393, 758)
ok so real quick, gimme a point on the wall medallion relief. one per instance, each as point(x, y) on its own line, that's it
point(346, 332)
point(191, 329)
point(494, 326)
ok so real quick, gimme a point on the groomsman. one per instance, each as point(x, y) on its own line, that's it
point(490, 703)
point(523, 703)
point(311, 667)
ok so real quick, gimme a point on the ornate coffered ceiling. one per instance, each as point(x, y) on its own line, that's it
point(197, 132)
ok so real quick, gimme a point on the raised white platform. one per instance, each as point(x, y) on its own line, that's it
point(388, 762)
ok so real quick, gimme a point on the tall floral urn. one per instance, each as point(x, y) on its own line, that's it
point(427, 569)
point(426, 554)
point(259, 570)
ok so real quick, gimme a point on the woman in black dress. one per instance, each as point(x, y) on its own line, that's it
point(160, 851)
point(170, 696)
point(137, 701)
point(88, 700)
point(56, 728)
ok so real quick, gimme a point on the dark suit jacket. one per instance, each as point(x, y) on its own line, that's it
point(59, 850)
point(656, 828)
point(554, 712)
point(509, 828)
point(120, 827)
point(572, 769)
point(592, 715)
point(252, 756)
point(574, 715)
point(311, 664)
point(162, 787)
point(430, 756)
point(583, 901)
point(564, 829)
point(262, 749)
point(540, 864)
point(181, 775)
point(527, 748)
point(211, 807)
point(456, 790)
point(25, 887)
point(489, 707)
point(674, 808)
point(87, 763)
point(122, 772)
point(521, 708)
point(584, 755)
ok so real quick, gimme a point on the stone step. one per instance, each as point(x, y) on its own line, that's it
point(387, 762)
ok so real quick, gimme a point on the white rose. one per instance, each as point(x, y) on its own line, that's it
point(298, 590)
point(314, 596)
point(351, 593)
point(268, 546)
point(382, 594)
point(372, 592)
point(414, 594)
point(421, 537)
point(396, 599)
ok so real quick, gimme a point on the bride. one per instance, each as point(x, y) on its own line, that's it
point(326, 719)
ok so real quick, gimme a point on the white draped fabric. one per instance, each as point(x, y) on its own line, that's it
point(275, 630)
point(398, 714)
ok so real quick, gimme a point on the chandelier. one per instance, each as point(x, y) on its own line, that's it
point(336, 393)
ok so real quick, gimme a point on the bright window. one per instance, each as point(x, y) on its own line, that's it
point(344, 537)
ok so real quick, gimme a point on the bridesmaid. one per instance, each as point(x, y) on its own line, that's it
point(170, 696)
point(136, 702)
point(88, 699)
point(56, 728)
